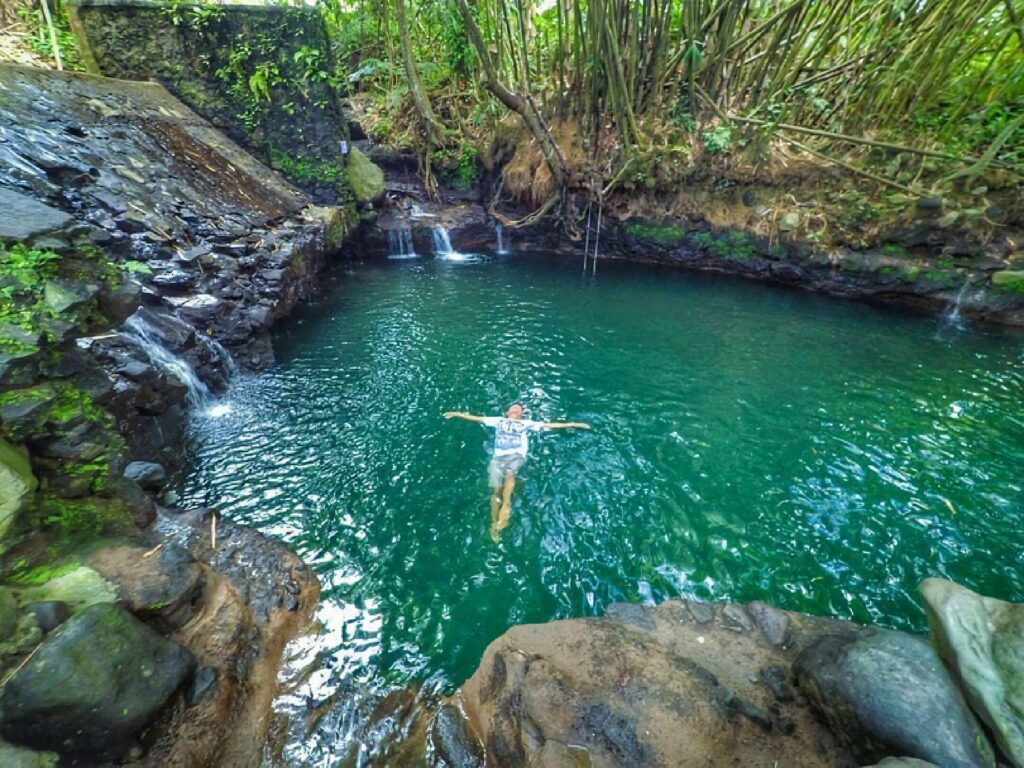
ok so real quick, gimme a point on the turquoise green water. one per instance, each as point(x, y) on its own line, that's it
point(748, 443)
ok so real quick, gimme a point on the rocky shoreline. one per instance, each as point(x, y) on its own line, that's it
point(984, 283)
point(178, 249)
point(155, 257)
point(688, 683)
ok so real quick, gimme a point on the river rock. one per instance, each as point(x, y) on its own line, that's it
point(150, 475)
point(9, 613)
point(92, 685)
point(79, 588)
point(12, 756)
point(158, 584)
point(452, 740)
point(982, 641)
point(648, 687)
point(49, 614)
point(17, 484)
point(25, 218)
point(887, 693)
point(903, 762)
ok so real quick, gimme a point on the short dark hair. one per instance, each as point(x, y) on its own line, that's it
point(514, 403)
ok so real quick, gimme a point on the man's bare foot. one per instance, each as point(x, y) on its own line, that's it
point(495, 534)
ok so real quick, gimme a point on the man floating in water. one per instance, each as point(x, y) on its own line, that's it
point(511, 443)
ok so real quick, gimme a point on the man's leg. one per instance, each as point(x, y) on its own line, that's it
point(495, 504)
point(506, 505)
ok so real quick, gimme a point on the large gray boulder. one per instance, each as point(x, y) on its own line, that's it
point(982, 641)
point(887, 693)
point(92, 685)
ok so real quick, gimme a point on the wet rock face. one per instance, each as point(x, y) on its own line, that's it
point(982, 641)
point(92, 685)
point(679, 684)
point(887, 693)
point(216, 242)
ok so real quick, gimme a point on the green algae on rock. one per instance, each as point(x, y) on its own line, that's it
point(17, 484)
point(364, 178)
point(93, 684)
point(981, 639)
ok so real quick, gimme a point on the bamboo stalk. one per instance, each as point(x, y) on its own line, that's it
point(53, 34)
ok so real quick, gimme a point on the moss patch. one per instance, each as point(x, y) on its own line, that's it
point(662, 234)
point(1009, 280)
point(364, 178)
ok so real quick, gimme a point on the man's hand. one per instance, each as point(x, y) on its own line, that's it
point(581, 425)
point(451, 414)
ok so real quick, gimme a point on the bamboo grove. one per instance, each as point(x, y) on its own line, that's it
point(943, 77)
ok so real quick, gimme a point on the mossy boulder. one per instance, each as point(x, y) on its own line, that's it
point(1009, 279)
point(20, 757)
point(93, 685)
point(17, 485)
point(80, 588)
point(364, 178)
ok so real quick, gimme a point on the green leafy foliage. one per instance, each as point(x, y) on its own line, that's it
point(718, 140)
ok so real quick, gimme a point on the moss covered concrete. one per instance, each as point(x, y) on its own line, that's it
point(264, 74)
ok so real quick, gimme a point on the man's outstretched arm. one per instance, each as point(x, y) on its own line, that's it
point(461, 415)
point(566, 425)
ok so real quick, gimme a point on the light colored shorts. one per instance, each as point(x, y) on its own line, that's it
point(501, 466)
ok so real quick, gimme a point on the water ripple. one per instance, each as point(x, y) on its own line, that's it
point(748, 443)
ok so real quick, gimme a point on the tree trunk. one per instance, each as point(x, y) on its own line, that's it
point(435, 131)
point(516, 102)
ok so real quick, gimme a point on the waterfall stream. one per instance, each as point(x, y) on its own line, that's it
point(199, 395)
point(400, 244)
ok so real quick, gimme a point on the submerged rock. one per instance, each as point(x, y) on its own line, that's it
point(92, 685)
point(886, 693)
point(982, 641)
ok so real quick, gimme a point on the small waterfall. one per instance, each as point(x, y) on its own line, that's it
point(953, 315)
point(199, 396)
point(442, 243)
point(443, 249)
point(221, 354)
point(419, 213)
point(499, 232)
point(400, 244)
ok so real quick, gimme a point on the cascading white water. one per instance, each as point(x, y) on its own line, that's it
point(500, 233)
point(400, 244)
point(442, 243)
point(199, 396)
point(443, 249)
point(953, 315)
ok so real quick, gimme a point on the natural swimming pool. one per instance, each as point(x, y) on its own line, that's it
point(749, 443)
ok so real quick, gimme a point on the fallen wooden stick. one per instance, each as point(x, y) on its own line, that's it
point(155, 549)
point(213, 531)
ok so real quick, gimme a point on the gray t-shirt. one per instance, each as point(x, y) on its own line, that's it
point(511, 437)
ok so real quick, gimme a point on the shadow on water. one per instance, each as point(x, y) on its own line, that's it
point(748, 443)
